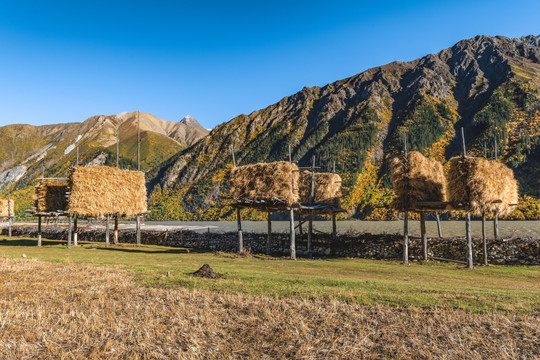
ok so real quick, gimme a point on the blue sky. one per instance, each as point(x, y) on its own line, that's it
point(64, 61)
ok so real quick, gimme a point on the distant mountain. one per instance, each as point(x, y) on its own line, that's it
point(28, 152)
point(488, 85)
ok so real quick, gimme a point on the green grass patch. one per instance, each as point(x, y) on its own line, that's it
point(432, 284)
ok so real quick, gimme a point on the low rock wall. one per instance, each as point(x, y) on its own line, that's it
point(518, 251)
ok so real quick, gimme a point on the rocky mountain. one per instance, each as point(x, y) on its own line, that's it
point(28, 152)
point(487, 85)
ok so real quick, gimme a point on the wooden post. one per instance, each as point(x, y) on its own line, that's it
point(424, 235)
point(10, 218)
point(406, 237)
point(496, 227)
point(117, 150)
point(269, 238)
point(107, 231)
point(334, 225)
point(75, 232)
point(439, 229)
point(291, 215)
point(138, 229)
point(39, 231)
point(300, 230)
point(115, 239)
point(240, 236)
point(496, 218)
point(469, 240)
point(310, 236)
point(138, 142)
point(406, 204)
point(292, 236)
point(69, 232)
point(468, 215)
point(484, 240)
point(311, 199)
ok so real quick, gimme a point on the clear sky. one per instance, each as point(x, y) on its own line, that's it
point(64, 61)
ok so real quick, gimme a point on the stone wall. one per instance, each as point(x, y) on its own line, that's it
point(519, 251)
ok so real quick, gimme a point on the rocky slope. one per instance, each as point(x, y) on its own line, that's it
point(488, 85)
point(28, 152)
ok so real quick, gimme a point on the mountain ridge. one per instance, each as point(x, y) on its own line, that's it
point(359, 121)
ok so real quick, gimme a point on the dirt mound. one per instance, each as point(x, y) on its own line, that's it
point(207, 272)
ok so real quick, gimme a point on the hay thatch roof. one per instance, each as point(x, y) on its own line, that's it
point(266, 182)
point(4, 208)
point(327, 187)
point(481, 182)
point(50, 196)
point(426, 180)
point(97, 191)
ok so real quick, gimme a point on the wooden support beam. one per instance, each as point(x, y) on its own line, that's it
point(334, 228)
point(69, 232)
point(138, 229)
point(240, 236)
point(424, 235)
point(291, 209)
point(75, 232)
point(484, 240)
point(496, 227)
point(269, 236)
point(39, 231)
point(107, 231)
point(10, 218)
point(406, 213)
point(309, 239)
point(115, 237)
point(439, 229)
point(406, 237)
point(469, 240)
point(292, 235)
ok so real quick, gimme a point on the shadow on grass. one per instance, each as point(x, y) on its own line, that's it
point(148, 251)
point(29, 242)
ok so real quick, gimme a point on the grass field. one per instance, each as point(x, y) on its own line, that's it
point(432, 285)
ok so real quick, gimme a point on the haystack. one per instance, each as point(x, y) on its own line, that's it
point(50, 196)
point(327, 187)
point(426, 180)
point(482, 182)
point(266, 182)
point(97, 191)
point(6, 211)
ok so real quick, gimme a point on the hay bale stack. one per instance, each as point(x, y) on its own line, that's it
point(4, 208)
point(426, 180)
point(97, 191)
point(50, 196)
point(265, 182)
point(481, 182)
point(327, 187)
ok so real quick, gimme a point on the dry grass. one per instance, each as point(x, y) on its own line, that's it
point(482, 181)
point(97, 191)
point(426, 179)
point(265, 182)
point(327, 187)
point(67, 311)
point(7, 209)
point(50, 196)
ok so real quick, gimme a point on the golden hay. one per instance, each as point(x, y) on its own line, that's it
point(50, 196)
point(97, 191)
point(426, 179)
point(327, 187)
point(481, 182)
point(265, 182)
point(6, 211)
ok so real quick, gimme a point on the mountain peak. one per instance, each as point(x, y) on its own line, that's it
point(190, 120)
